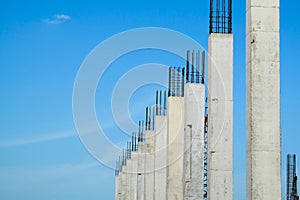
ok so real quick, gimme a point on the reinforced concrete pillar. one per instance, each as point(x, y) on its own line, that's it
point(160, 176)
point(134, 175)
point(263, 100)
point(128, 179)
point(118, 186)
point(124, 183)
point(149, 156)
point(194, 104)
point(220, 113)
point(141, 171)
point(175, 177)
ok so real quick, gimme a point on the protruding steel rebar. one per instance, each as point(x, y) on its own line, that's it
point(165, 102)
point(147, 119)
point(142, 132)
point(132, 142)
point(187, 65)
point(182, 82)
point(153, 119)
point(150, 120)
point(193, 67)
point(198, 67)
point(169, 91)
point(203, 68)
point(156, 104)
point(160, 107)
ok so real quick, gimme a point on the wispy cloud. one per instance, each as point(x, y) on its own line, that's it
point(45, 137)
point(37, 139)
point(57, 19)
point(41, 174)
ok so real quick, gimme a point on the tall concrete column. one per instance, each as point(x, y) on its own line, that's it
point(141, 171)
point(263, 101)
point(118, 186)
point(220, 113)
point(134, 175)
point(175, 178)
point(149, 156)
point(124, 183)
point(194, 111)
point(128, 179)
point(160, 183)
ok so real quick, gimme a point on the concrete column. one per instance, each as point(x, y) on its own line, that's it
point(118, 186)
point(160, 176)
point(141, 171)
point(263, 101)
point(128, 179)
point(220, 108)
point(175, 181)
point(134, 175)
point(194, 104)
point(149, 176)
point(124, 183)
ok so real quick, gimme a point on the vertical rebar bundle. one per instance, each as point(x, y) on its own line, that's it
point(149, 123)
point(291, 178)
point(161, 103)
point(220, 16)
point(193, 72)
point(176, 81)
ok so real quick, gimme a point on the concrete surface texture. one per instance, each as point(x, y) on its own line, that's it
point(220, 113)
point(134, 175)
point(175, 178)
point(263, 100)
point(160, 176)
point(149, 156)
point(194, 111)
point(141, 171)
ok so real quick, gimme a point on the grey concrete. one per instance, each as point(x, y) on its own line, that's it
point(194, 112)
point(220, 113)
point(134, 175)
point(149, 156)
point(263, 101)
point(141, 172)
point(118, 186)
point(175, 178)
point(160, 176)
point(124, 183)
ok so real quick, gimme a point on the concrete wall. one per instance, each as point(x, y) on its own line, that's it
point(160, 176)
point(175, 178)
point(149, 156)
point(263, 100)
point(220, 108)
point(194, 104)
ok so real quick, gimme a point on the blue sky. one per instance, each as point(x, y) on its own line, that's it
point(42, 45)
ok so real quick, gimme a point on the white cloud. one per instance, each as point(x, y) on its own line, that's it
point(37, 139)
point(62, 16)
point(57, 19)
point(41, 174)
point(43, 137)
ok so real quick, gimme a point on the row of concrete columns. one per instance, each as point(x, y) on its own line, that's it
point(169, 163)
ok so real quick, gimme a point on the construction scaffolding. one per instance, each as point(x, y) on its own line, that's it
point(205, 169)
